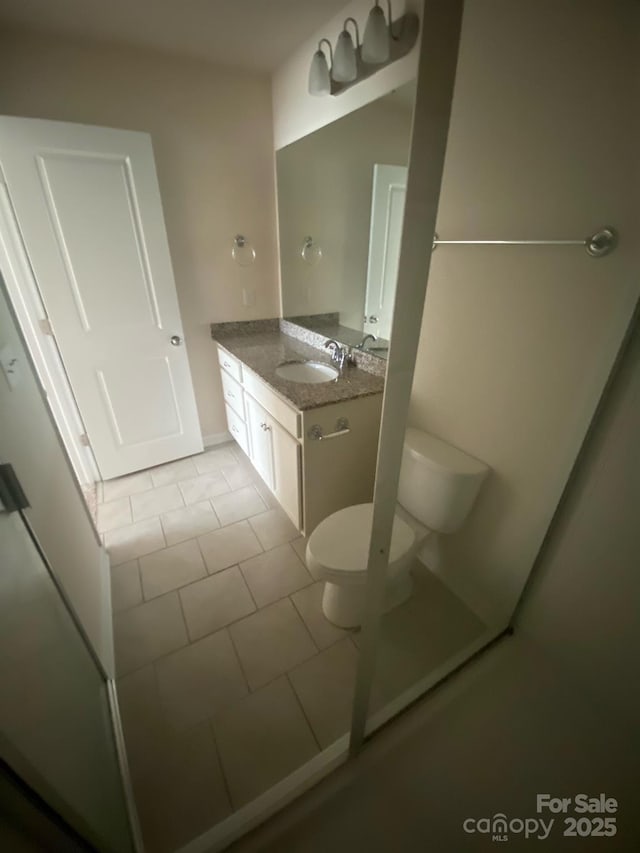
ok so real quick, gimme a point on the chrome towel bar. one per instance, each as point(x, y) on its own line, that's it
point(316, 434)
point(597, 245)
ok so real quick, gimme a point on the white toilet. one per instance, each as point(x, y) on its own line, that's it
point(438, 486)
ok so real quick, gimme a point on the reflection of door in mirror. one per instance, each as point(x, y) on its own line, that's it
point(387, 210)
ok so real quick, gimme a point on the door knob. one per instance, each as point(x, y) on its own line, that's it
point(176, 340)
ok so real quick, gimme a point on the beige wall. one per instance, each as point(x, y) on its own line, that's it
point(212, 136)
point(516, 343)
point(324, 190)
point(584, 599)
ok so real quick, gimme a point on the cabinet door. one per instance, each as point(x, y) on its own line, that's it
point(260, 439)
point(286, 471)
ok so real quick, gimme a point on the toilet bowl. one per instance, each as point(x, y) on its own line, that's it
point(438, 486)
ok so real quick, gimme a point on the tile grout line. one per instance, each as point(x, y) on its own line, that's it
point(225, 781)
point(304, 713)
point(238, 658)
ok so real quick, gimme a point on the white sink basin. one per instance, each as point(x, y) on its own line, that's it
point(306, 371)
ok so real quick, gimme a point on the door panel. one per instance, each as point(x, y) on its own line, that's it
point(88, 206)
point(286, 472)
point(82, 195)
point(260, 440)
point(149, 385)
point(387, 215)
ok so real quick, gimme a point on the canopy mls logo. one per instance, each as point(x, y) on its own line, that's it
point(499, 827)
point(590, 817)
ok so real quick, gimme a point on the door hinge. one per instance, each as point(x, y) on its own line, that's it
point(84, 440)
point(12, 497)
point(45, 326)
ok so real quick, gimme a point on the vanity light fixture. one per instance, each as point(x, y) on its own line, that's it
point(384, 42)
point(345, 63)
point(319, 76)
point(376, 44)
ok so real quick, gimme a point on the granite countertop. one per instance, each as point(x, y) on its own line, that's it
point(262, 346)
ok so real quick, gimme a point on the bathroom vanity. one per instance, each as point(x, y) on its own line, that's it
point(313, 443)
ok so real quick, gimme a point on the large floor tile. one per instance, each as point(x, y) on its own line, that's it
point(274, 528)
point(270, 642)
point(237, 505)
point(135, 540)
point(147, 632)
point(181, 469)
point(308, 603)
point(171, 568)
point(217, 601)
point(265, 493)
point(300, 547)
point(113, 514)
point(274, 574)
point(199, 680)
point(261, 739)
point(238, 475)
point(188, 522)
point(155, 502)
point(228, 546)
point(324, 685)
point(126, 590)
point(203, 487)
point(122, 487)
point(214, 459)
point(188, 797)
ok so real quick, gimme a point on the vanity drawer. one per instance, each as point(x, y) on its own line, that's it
point(230, 364)
point(286, 416)
point(232, 392)
point(238, 429)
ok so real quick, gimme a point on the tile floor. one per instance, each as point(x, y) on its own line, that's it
point(229, 676)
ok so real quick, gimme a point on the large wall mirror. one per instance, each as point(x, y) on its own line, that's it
point(340, 208)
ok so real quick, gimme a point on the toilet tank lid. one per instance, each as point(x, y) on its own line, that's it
point(438, 454)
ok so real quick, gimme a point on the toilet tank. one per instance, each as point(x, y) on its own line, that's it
point(438, 482)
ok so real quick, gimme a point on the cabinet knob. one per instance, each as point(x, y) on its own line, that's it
point(264, 426)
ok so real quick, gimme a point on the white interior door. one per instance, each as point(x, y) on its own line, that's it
point(88, 206)
point(387, 213)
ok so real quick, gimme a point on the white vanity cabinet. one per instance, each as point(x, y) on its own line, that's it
point(276, 457)
point(310, 478)
point(263, 424)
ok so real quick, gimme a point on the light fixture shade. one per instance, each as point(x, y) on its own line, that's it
point(376, 42)
point(319, 79)
point(345, 66)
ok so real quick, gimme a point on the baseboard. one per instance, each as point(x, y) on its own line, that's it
point(215, 438)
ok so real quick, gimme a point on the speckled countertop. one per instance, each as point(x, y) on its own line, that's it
point(262, 346)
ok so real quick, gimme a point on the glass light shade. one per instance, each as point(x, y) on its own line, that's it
point(319, 79)
point(376, 41)
point(345, 67)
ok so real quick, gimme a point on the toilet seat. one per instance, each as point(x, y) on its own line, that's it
point(339, 546)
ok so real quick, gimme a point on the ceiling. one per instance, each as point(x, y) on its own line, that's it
point(254, 34)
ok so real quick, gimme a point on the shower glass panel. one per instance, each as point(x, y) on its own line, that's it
point(55, 723)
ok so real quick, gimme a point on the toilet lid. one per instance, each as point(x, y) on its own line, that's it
point(341, 541)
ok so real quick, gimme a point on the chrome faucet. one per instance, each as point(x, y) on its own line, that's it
point(363, 342)
point(339, 355)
